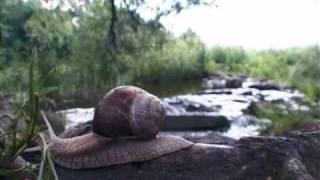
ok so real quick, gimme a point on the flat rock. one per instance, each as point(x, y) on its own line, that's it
point(195, 122)
point(294, 157)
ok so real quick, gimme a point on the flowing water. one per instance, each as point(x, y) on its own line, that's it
point(208, 110)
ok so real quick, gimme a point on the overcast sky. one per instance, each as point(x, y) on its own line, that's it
point(253, 24)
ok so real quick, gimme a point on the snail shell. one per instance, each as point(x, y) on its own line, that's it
point(129, 111)
point(125, 127)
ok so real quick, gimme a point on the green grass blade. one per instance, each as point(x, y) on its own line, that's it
point(46, 156)
point(10, 172)
point(43, 160)
point(48, 75)
point(52, 167)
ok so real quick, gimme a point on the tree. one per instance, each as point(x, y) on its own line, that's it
point(163, 8)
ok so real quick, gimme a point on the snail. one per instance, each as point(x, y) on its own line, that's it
point(125, 127)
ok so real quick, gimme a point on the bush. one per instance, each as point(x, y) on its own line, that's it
point(305, 73)
point(177, 60)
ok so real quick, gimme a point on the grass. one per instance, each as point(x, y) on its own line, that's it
point(12, 145)
point(285, 120)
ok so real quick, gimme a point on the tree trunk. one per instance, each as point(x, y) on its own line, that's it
point(112, 32)
point(294, 157)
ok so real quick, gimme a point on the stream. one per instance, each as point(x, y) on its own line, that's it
point(219, 105)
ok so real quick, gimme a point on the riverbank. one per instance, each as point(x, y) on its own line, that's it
point(233, 106)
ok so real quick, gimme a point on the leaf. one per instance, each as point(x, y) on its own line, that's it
point(43, 160)
point(48, 75)
point(46, 156)
point(10, 172)
point(48, 90)
point(7, 115)
point(51, 164)
point(6, 133)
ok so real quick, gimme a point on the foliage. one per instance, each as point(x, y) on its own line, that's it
point(75, 41)
point(14, 141)
point(297, 67)
point(269, 65)
point(305, 73)
point(285, 120)
point(228, 59)
point(177, 60)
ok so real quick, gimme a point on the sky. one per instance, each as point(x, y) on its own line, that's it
point(252, 24)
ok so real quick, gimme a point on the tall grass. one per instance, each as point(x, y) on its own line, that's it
point(12, 144)
point(285, 120)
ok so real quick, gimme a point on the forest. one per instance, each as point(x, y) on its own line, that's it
point(77, 43)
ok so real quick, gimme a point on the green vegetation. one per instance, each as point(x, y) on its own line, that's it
point(97, 46)
point(285, 120)
point(78, 43)
point(298, 67)
point(94, 47)
point(14, 140)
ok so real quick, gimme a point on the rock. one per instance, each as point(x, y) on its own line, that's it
point(209, 138)
point(307, 127)
point(266, 86)
point(218, 105)
point(200, 108)
point(213, 83)
point(224, 105)
point(215, 91)
point(292, 157)
point(222, 81)
point(234, 82)
point(195, 122)
point(247, 93)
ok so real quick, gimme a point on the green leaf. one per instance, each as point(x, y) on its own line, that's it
point(48, 90)
point(10, 172)
point(46, 156)
point(48, 75)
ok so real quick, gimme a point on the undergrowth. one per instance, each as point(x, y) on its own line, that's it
point(14, 140)
point(285, 120)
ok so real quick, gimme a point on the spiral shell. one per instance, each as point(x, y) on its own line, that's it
point(129, 111)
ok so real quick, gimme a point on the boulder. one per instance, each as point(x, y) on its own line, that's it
point(215, 91)
point(292, 157)
point(265, 86)
point(208, 138)
point(234, 82)
point(196, 122)
point(213, 83)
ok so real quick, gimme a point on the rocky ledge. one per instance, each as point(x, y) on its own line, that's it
point(291, 157)
point(225, 103)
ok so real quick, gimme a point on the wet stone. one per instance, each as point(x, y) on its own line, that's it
point(224, 102)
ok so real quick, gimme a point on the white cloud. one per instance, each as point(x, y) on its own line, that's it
point(252, 23)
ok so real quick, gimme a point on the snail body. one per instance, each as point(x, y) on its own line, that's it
point(125, 127)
